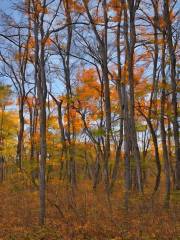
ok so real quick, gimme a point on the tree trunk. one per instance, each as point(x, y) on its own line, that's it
point(1, 169)
point(19, 155)
point(174, 89)
point(163, 131)
point(130, 44)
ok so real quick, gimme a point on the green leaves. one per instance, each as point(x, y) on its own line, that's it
point(98, 132)
point(140, 127)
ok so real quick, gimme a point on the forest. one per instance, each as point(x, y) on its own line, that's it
point(89, 120)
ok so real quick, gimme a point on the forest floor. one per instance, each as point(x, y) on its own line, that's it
point(84, 214)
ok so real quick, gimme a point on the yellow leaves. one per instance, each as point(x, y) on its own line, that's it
point(36, 137)
point(165, 86)
point(160, 41)
point(53, 122)
point(18, 56)
point(77, 124)
point(5, 95)
point(9, 132)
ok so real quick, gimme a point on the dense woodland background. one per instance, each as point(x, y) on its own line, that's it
point(89, 135)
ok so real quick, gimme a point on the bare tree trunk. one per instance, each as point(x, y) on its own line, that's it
point(157, 158)
point(130, 44)
point(62, 131)
point(103, 49)
point(120, 96)
point(170, 154)
point(87, 172)
point(102, 41)
point(97, 168)
point(2, 145)
point(163, 131)
point(1, 169)
point(40, 79)
point(20, 133)
point(174, 89)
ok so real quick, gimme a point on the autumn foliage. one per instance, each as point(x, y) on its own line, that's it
point(89, 120)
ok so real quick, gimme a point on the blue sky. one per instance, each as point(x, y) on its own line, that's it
point(5, 4)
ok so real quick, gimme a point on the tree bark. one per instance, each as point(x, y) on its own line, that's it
point(163, 131)
point(174, 89)
point(130, 45)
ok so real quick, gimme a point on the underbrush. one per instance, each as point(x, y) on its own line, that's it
point(84, 214)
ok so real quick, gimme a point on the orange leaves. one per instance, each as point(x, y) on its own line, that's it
point(116, 6)
point(116, 18)
point(47, 41)
point(74, 119)
point(30, 101)
point(27, 51)
point(124, 74)
point(138, 74)
point(37, 9)
point(78, 7)
point(165, 86)
point(77, 125)
point(18, 56)
point(89, 94)
point(142, 88)
point(160, 41)
point(89, 87)
point(40, 9)
point(74, 5)
point(31, 42)
point(72, 112)
point(52, 122)
point(162, 23)
point(98, 20)
point(87, 76)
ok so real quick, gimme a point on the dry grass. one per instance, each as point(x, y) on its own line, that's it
point(84, 214)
